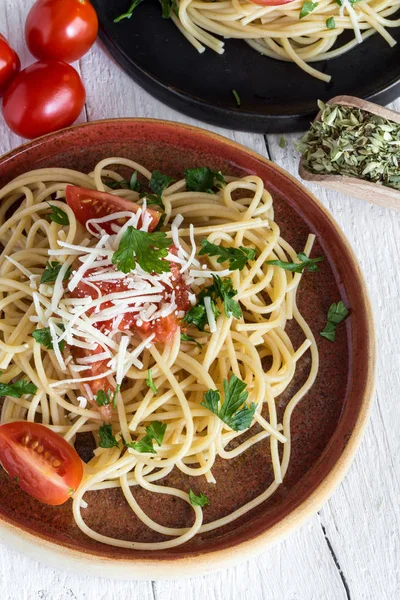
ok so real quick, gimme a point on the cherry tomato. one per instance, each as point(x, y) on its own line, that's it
point(47, 96)
point(61, 29)
point(91, 204)
point(46, 466)
point(9, 64)
point(270, 2)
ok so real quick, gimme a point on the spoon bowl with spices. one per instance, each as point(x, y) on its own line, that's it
point(353, 146)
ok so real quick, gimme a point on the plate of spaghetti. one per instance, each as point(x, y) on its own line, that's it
point(256, 65)
point(186, 350)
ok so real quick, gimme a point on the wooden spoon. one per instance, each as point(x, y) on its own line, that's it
point(352, 186)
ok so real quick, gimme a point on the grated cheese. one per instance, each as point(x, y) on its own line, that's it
point(210, 315)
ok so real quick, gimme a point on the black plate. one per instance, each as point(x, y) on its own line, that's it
point(275, 96)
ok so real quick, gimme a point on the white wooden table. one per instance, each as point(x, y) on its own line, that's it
point(351, 549)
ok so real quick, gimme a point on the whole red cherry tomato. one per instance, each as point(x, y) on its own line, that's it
point(9, 64)
point(46, 96)
point(61, 29)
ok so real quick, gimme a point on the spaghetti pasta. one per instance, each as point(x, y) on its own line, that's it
point(154, 383)
point(287, 32)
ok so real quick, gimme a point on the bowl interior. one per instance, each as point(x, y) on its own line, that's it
point(323, 422)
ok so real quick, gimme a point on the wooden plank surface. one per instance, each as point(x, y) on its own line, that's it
point(352, 548)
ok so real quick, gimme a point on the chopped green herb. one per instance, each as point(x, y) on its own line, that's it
point(155, 431)
point(305, 263)
point(282, 142)
point(17, 389)
point(230, 412)
point(147, 249)
point(107, 439)
point(197, 315)
point(131, 184)
point(330, 23)
point(58, 215)
point(103, 398)
point(150, 382)
point(236, 96)
point(115, 396)
point(336, 314)
point(307, 8)
point(201, 500)
point(43, 337)
point(204, 179)
point(188, 338)
point(51, 272)
point(128, 13)
point(158, 184)
point(237, 257)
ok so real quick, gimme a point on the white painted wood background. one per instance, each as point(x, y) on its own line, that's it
point(351, 549)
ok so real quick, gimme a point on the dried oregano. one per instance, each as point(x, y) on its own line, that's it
point(353, 142)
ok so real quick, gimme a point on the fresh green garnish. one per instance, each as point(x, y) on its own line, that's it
point(330, 23)
point(43, 337)
point(128, 13)
point(201, 500)
point(188, 338)
point(307, 8)
point(103, 398)
point(237, 257)
point(230, 412)
point(17, 389)
point(236, 96)
point(58, 215)
point(158, 184)
point(222, 289)
point(125, 184)
point(352, 142)
point(282, 142)
point(51, 272)
point(305, 263)
point(107, 439)
point(167, 6)
point(155, 431)
point(115, 396)
point(147, 249)
point(203, 179)
point(336, 314)
point(150, 383)
point(16, 479)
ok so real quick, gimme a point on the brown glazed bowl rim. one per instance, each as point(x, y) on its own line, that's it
point(56, 555)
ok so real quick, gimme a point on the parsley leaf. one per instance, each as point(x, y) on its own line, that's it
point(203, 179)
point(230, 412)
point(51, 272)
point(148, 249)
point(306, 263)
point(58, 215)
point(237, 257)
point(159, 182)
point(115, 396)
point(222, 289)
point(167, 6)
point(43, 337)
point(103, 398)
point(330, 23)
point(155, 431)
point(125, 184)
point(188, 338)
point(307, 8)
point(128, 13)
point(107, 439)
point(201, 500)
point(150, 383)
point(17, 389)
point(237, 97)
point(336, 314)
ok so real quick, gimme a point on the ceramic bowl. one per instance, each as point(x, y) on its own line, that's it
point(327, 425)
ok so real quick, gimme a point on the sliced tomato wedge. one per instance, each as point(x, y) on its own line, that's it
point(91, 204)
point(43, 463)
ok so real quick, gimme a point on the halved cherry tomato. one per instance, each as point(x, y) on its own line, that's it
point(61, 29)
point(271, 2)
point(46, 466)
point(91, 204)
point(45, 97)
point(9, 64)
